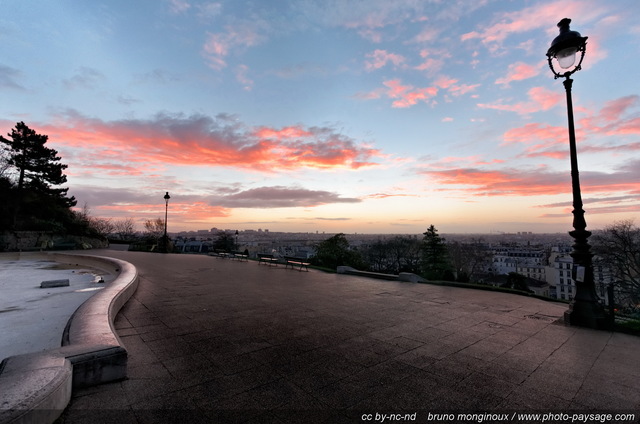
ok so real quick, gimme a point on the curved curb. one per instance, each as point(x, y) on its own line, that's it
point(37, 387)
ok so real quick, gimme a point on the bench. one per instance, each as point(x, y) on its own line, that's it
point(296, 262)
point(240, 256)
point(267, 259)
point(219, 253)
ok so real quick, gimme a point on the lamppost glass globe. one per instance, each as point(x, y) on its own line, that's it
point(567, 57)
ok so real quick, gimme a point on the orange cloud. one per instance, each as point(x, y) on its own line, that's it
point(200, 140)
point(283, 133)
point(519, 182)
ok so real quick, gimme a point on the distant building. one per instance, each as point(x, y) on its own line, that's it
point(510, 259)
point(536, 272)
point(541, 288)
point(562, 277)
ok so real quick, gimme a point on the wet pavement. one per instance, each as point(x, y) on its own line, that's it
point(217, 340)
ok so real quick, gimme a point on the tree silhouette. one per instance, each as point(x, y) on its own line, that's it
point(335, 251)
point(224, 241)
point(435, 261)
point(617, 250)
point(36, 170)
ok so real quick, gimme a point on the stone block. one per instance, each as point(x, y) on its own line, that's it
point(54, 283)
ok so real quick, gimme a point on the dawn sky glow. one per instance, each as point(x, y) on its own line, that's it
point(347, 116)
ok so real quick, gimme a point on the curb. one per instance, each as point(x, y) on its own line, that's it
point(36, 387)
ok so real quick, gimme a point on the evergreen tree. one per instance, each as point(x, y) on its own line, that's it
point(435, 261)
point(335, 252)
point(38, 169)
point(225, 241)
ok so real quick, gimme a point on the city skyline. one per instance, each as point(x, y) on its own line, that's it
point(330, 116)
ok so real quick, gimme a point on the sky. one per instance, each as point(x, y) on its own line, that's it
point(349, 116)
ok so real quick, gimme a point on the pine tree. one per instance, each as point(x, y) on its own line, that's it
point(38, 170)
point(335, 251)
point(435, 261)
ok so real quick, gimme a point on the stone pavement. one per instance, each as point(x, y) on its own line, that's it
point(215, 340)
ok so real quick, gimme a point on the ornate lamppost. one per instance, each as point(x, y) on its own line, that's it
point(165, 238)
point(585, 309)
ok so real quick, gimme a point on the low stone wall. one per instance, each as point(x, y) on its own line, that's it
point(19, 241)
point(404, 276)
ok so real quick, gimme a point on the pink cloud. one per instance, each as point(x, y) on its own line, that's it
point(459, 90)
point(179, 6)
point(545, 139)
point(611, 119)
point(218, 46)
point(454, 89)
point(379, 58)
point(537, 17)
point(407, 95)
point(434, 60)
point(540, 99)
point(427, 35)
point(517, 72)
point(445, 82)
point(548, 141)
point(613, 109)
point(242, 78)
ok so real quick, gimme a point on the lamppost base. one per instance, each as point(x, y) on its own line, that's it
point(588, 314)
point(164, 245)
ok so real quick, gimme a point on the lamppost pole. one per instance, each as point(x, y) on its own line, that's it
point(165, 238)
point(585, 309)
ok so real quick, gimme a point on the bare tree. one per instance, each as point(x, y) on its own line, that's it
point(5, 167)
point(102, 226)
point(467, 258)
point(617, 248)
point(393, 256)
point(154, 228)
point(124, 228)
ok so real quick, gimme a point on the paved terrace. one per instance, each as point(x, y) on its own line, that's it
point(215, 340)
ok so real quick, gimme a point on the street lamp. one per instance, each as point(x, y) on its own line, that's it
point(165, 238)
point(585, 309)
